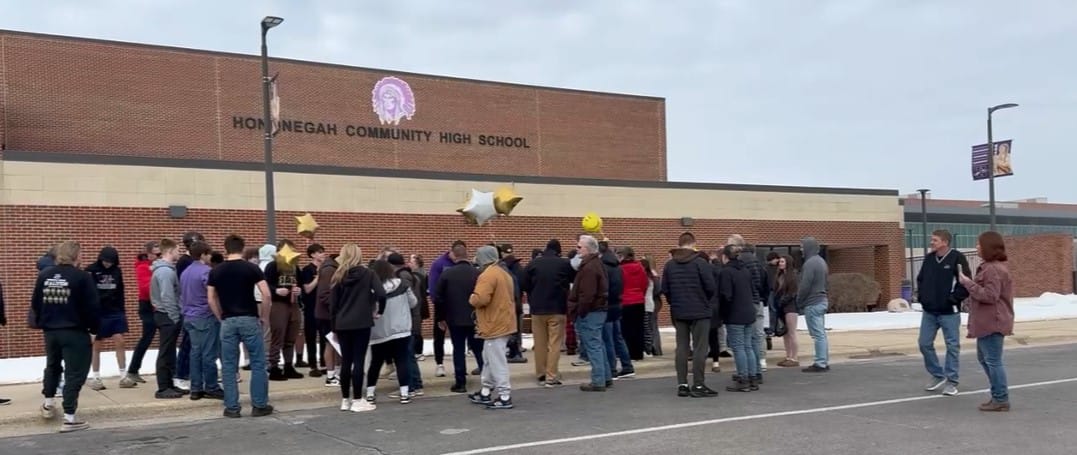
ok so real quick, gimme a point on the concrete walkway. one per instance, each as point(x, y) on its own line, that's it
point(115, 407)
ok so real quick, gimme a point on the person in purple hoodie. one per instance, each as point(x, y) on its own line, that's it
point(200, 323)
point(443, 262)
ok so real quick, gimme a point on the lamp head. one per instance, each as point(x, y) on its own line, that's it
point(271, 21)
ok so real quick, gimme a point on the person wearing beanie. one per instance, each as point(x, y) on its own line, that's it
point(495, 316)
point(546, 281)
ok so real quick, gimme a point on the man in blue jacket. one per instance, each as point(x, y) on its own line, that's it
point(941, 295)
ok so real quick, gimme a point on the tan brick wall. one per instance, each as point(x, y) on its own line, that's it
point(79, 96)
point(35, 227)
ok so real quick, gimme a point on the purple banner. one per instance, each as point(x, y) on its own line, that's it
point(981, 161)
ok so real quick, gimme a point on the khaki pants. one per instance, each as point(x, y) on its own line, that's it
point(549, 332)
point(284, 321)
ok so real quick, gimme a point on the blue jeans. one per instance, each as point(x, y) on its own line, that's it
point(246, 330)
point(589, 330)
point(741, 341)
point(616, 348)
point(989, 353)
point(183, 362)
point(815, 316)
point(205, 334)
point(929, 328)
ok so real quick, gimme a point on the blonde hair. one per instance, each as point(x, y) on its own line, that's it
point(350, 257)
point(67, 253)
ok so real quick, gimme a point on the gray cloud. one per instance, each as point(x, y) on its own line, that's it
point(869, 93)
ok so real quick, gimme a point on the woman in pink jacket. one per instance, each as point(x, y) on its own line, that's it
point(991, 315)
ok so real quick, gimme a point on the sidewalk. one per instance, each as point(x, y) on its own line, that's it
point(118, 407)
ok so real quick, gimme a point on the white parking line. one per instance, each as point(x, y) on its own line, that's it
point(678, 426)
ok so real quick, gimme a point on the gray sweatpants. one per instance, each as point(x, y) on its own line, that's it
point(692, 336)
point(495, 372)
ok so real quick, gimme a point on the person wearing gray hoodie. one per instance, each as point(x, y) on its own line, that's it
point(164, 296)
point(812, 302)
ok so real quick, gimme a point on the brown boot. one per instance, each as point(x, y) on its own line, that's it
point(993, 406)
point(789, 363)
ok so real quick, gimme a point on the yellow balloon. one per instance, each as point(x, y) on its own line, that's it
point(591, 223)
point(505, 199)
point(306, 226)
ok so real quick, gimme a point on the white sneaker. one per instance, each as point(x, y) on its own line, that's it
point(362, 406)
point(48, 412)
point(763, 365)
point(96, 384)
point(950, 390)
point(935, 384)
point(182, 384)
point(440, 371)
point(332, 382)
point(346, 404)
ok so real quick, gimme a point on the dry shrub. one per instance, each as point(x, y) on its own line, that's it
point(852, 293)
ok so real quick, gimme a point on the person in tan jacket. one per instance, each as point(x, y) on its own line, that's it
point(495, 322)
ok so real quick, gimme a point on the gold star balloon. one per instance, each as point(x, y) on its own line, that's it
point(289, 255)
point(505, 199)
point(307, 227)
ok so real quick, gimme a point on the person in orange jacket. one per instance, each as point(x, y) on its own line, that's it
point(495, 321)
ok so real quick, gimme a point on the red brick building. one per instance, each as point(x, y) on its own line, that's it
point(99, 139)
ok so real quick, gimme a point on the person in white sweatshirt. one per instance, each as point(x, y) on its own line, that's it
point(391, 336)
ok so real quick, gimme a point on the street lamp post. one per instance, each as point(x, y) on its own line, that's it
point(271, 210)
point(991, 160)
point(923, 221)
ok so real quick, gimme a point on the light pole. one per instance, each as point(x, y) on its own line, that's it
point(991, 160)
point(923, 220)
point(271, 210)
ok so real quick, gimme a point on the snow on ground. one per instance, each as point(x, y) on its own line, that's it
point(1048, 306)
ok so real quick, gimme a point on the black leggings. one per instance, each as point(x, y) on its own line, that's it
point(400, 351)
point(353, 345)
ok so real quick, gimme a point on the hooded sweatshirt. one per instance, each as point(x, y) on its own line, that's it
point(689, 286)
point(616, 285)
point(143, 273)
point(494, 302)
point(165, 289)
point(109, 281)
point(265, 256)
point(324, 292)
point(65, 298)
point(760, 286)
point(395, 321)
point(354, 300)
point(735, 295)
point(813, 281)
point(636, 282)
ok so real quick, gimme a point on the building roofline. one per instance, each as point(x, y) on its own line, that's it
point(125, 160)
point(45, 36)
point(914, 211)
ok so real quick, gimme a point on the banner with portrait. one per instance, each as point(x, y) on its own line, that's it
point(981, 161)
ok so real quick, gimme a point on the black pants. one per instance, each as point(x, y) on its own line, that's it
point(692, 336)
point(353, 345)
point(714, 342)
point(149, 329)
point(315, 344)
point(399, 350)
point(463, 336)
point(517, 340)
point(439, 345)
point(634, 330)
point(166, 353)
point(70, 348)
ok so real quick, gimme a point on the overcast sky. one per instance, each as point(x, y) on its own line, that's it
point(854, 93)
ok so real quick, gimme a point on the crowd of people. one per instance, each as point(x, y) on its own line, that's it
point(596, 301)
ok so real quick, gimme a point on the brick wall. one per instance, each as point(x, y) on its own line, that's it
point(80, 96)
point(1040, 263)
point(30, 229)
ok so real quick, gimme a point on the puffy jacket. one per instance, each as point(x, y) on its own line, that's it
point(354, 300)
point(616, 285)
point(547, 280)
point(760, 283)
point(635, 283)
point(494, 303)
point(735, 294)
point(395, 321)
point(689, 286)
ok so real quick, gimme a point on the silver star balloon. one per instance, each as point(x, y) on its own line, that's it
point(480, 207)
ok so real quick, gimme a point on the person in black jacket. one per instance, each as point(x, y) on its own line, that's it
point(511, 263)
point(941, 295)
point(760, 294)
point(454, 314)
point(738, 310)
point(108, 277)
point(546, 281)
point(356, 295)
point(616, 348)
point(689, 287)
point(66, 308)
